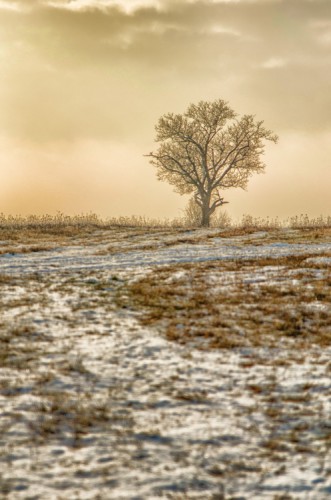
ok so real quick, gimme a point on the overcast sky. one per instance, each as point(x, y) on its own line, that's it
point(83, 83)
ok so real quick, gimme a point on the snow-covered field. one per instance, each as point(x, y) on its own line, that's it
point(162, 363)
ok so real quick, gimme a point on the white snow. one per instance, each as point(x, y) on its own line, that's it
point(94, 405)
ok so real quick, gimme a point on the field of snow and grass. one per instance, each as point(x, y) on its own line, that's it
point(165, 363)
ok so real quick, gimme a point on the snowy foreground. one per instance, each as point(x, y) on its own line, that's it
point(114, 386)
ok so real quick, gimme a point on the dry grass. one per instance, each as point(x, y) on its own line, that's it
point(60, 220)
point(215, 304)
point(34, 234)
point(69, 419)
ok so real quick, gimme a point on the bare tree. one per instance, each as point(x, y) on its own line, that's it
point(208, 149)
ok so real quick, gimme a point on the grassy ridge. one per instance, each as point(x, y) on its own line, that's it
point(91, 220)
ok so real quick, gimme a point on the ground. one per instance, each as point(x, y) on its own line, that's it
point(165, 363)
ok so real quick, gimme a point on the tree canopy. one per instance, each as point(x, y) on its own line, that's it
point(209, 149)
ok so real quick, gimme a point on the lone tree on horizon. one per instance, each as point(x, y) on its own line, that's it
point(208, 149)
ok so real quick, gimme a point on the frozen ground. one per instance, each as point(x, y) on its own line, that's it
point(141, 364)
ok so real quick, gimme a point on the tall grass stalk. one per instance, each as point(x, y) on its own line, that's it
point(223, 220)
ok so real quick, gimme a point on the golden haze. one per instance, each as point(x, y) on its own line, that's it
point(83, 84)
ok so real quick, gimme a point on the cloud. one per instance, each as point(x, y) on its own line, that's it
point(128, 6)
point(75, 69)
point(6, 5)
point(274, 62)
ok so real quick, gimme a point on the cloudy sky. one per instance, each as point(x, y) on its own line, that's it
point(83, 83)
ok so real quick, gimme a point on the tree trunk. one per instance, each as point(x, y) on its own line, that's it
point(205, 212)
point(205, 220)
